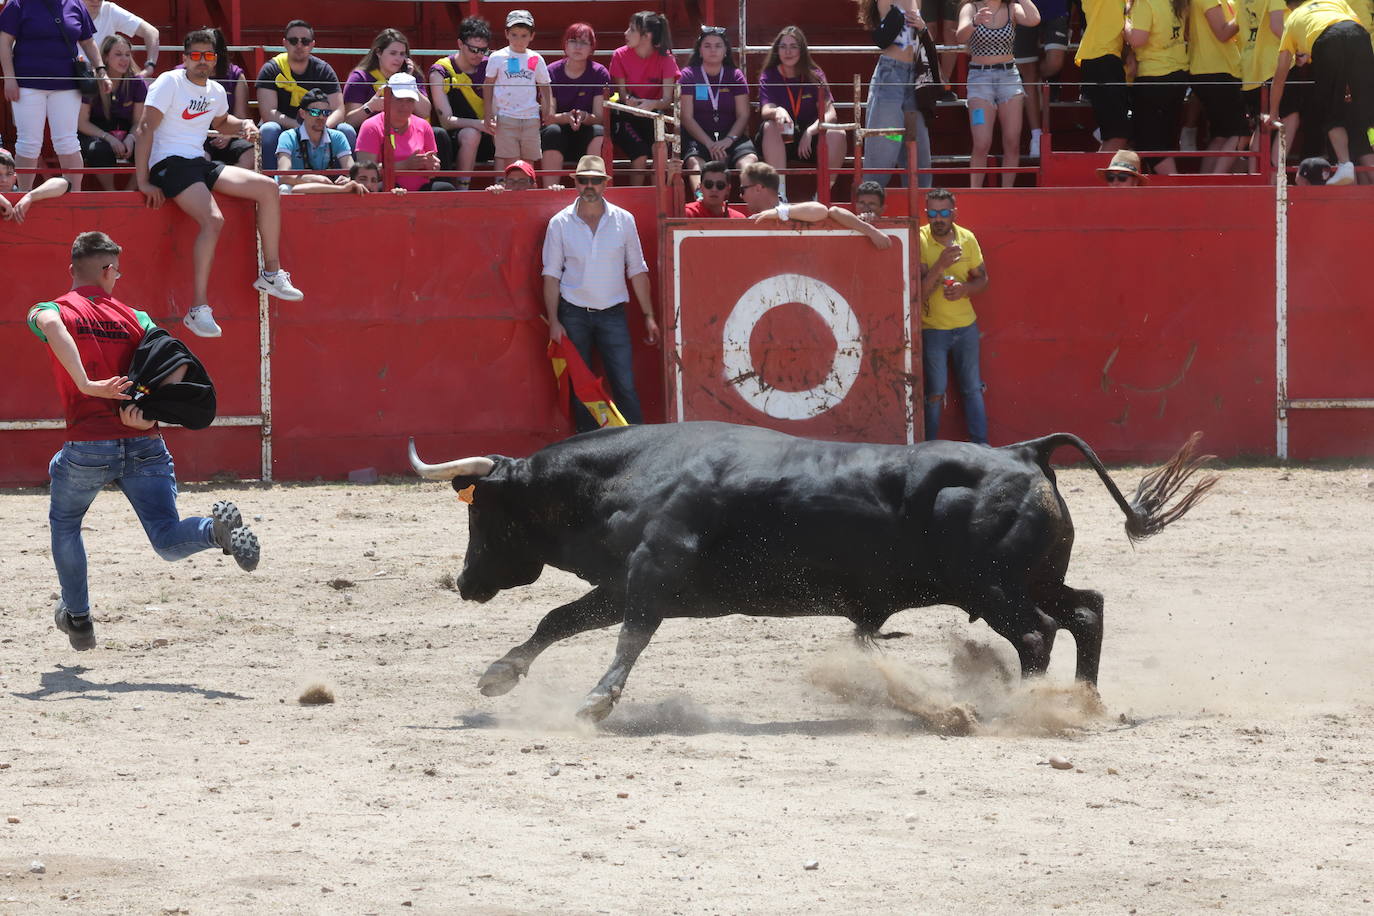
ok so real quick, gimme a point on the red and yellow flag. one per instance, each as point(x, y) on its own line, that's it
point(570, 370)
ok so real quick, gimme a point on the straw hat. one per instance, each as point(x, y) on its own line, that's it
point(1126, 162)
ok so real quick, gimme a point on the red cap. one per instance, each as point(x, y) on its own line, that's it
point(522, 166)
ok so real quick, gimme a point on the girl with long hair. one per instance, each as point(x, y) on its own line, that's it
point(715, 107)
point(794, 98)
point(366, 84)
point(644, 72)
point(995, 92)
point(107, 119)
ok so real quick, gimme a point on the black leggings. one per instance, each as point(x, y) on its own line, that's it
point(95, 152)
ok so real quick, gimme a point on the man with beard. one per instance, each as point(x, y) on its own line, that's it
point(590, 248)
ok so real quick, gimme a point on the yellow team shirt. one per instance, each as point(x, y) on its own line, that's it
point(939, 313)
point(1306, 24)
point(1205, 53)
point(1167, 50)
point(1102, 34)
point(1259, 46)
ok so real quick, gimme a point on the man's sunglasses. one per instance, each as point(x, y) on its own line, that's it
point(300, 41)
point(318, 112)
point(939, 214)
point(1118, 177)
point(584, 179)
point(473, 49)
point(715, 185)
point(207, 56)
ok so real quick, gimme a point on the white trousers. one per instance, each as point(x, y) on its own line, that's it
point(58, 108)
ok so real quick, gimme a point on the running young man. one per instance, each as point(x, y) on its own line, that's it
point(181, 108)
point(89, 332)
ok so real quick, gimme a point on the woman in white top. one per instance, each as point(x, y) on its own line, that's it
point(994, 85)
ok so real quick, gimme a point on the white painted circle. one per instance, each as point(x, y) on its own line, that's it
point(825, 301)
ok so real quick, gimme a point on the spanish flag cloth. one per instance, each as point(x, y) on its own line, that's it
point(569, 369)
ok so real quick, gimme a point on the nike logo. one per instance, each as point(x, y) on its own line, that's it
point(189, 115)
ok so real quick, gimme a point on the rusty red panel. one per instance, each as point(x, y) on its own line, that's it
point(805, 332)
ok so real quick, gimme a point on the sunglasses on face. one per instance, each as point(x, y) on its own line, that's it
point(583, 179)
point(207, 56)
point(318, 112)
point(300, 41)
point(1118, 177)
point(939, 214)
point(474, 49)
point(715, 185)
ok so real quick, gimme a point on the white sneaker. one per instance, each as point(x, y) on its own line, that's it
point(1344, 174)
point(1035, 144)
point(201, 322)
point(279, 286)
point(1187, 140)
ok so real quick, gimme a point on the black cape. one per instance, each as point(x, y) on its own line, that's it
point(189, 402)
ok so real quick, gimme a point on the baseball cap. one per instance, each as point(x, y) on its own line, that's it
point(1315, 170)
point(521, 165)
point(403, 86)
point(520, 17)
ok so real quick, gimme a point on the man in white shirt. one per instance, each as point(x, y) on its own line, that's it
point(590, 248)
point(182, 107)
point(110, 18)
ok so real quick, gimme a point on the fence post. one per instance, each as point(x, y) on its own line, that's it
point(388, 145)
point(858, 133)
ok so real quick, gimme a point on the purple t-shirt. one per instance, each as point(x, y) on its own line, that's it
point(800, 101)
point(579, 92)
point(713, 100)
point(361, 86)
point(42, 47)
point(127, 93)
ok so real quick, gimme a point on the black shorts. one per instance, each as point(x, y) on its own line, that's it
point(1297, 92)
point(940, 11)
point(1343, 57)
point(790, 143)
point(1156, 104)
point(1251, 99)
point(1050, 34)
point(1221, 99)
point(633, 137)
point(571, 142)
point(1104, 80)
point(446, 146)
point(177, 173)
point(231, 152)
point(742, 147)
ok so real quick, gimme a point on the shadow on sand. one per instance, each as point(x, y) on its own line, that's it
point(67, 683)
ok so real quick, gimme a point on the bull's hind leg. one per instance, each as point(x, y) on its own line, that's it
point(1080, 610)
point(594, 610)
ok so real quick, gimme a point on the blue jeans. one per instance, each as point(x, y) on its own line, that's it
point(271, 131)
point(960, 347)
point(890, 96)
point(608, 333)
point(143, 469)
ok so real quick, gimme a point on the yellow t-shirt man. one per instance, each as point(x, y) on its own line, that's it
point(1167, 50)
point(1206, 55)
point(939, 313)
point(1306, 24)
point(1102, 33)
point(1259, 46)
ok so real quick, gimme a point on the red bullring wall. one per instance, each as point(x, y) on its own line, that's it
point(1128, 317)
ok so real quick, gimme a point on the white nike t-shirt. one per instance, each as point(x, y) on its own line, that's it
point(187, 110)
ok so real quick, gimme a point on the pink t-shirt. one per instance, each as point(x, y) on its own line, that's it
point(643, 76)
point(417, 138)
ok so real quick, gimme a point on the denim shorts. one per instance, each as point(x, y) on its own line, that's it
point(996, 86)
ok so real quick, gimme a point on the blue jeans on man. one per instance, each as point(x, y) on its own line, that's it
point(142, 468)
point(939, 349)
point(604, 331)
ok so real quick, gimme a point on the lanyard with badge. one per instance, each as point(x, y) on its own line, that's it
point(796, 99)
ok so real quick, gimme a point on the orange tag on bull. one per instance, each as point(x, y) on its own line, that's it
point(465, 494)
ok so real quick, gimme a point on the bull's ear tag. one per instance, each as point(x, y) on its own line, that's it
point(465, 494)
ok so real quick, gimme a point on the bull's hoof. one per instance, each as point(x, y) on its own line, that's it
point(500, 678)
point(596, 707)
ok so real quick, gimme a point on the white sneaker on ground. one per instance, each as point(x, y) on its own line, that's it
point(1344, 174)
point(279, 286)
point(1035, 143)
point(1187, 140)
point(201, 322)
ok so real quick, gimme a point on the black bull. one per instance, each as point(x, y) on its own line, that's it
point(710, 519)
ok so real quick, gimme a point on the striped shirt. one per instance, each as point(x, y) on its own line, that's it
point(591, 269)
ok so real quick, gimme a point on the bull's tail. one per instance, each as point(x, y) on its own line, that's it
point(1149, 511)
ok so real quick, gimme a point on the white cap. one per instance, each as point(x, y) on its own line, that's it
point(403, 86)
point(520, 17)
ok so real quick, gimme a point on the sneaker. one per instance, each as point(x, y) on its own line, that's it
point(1344, 174)
point(279, 286)
point(201, 322)
point(233, 537)
point(1035, 144)
point(80, 631)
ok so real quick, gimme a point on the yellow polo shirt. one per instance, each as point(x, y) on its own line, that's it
point(1259, 46)
point(1306, 23)
point(1167, 50)
point(1205, 53)
point(939, 313)
point(1102, 34)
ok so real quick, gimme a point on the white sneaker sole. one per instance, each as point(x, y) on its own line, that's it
point(263, 286)
point(197, 331)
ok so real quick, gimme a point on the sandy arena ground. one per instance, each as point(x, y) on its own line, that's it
point(1231, 772)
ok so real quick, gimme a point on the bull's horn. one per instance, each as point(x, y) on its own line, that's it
point(464, 467)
